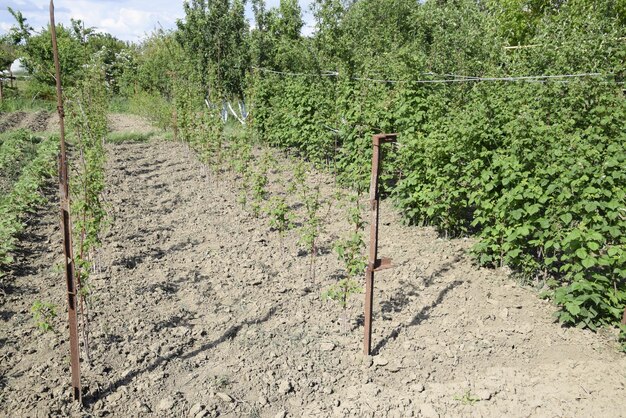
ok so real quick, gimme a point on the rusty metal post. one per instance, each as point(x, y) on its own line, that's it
point(374, 263)
point(66, 225)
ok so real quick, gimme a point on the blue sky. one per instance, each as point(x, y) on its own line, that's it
point(129, 20)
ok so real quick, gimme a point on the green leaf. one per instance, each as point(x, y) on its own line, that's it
point(588, 262)
point(572, 308)
point(566, 218)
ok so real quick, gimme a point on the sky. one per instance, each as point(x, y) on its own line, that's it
point(129, 20)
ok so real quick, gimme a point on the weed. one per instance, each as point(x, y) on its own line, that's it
point(312, 225)
point(341, 291)
point(43, 314)
point(350, 249)
point(281, 219)
point(259, 192)
point(221, 382)
point(467, 398)
point(120, 137)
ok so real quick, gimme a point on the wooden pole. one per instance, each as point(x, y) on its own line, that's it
point(66, 224)
point(374, 264)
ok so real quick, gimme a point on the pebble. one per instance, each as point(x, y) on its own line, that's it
point(195, 409)
point(428, 411)
point(380, 361)
point(114, 397)
point(484, 394)
point(284, 387)
point(144, 408)
point(327, 346)
point(224, 396)
point(165, 404)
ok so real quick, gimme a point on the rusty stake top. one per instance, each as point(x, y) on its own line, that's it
point(374, 263)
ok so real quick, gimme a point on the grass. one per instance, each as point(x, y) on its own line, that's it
point(120, 137)
point(20, 103)
point(119, 104)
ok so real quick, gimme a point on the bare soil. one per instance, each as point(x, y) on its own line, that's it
point(10, 120)
point(200, 309)
point(36, 122)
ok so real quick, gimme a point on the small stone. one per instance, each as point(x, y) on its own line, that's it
point(504, 313)
point(393, 367)
point(419, 388)
point(114, 397)
point(165, 404)
point(281, 414)
point(327, 346)
point(144, 408)
point(371, 389)
point(285, 387)
point(484, 394)
point(380, 361)
point(428, 411)
point(195, 408)
point(352, 392)
point(263, 400)
point(224, 396)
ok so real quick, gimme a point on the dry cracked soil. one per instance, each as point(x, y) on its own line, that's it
point(199, 309)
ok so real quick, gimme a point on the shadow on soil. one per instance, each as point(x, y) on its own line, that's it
point(230, 333)
point(421, 316)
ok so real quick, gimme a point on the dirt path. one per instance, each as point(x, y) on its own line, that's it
point(201, 310)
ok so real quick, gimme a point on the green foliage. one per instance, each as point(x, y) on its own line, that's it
point(39, 61)
point(119, 137)
point(259, 191)
point(350, 250)
point(312, 222)
point(20, 32)
point(213, 34)
point(281, 218)
point(43, 314)
point(86, 113)
point(25, 193)
point(8, 53)
point(153, 107)
point(535, 170)
point(341, 291)
point(150, 66)
point(16, 148)
point(467, 398)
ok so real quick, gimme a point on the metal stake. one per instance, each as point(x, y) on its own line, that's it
point(66, 224)
point(374, 263)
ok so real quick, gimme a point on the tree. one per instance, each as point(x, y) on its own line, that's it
point(38, 58)
point(214, 33)
point(19, 34)
point(8, 53)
